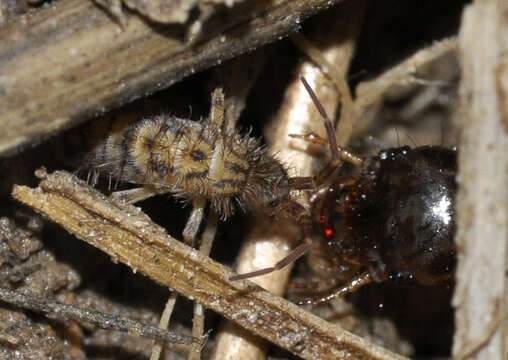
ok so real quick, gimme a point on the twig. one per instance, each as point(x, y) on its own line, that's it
point(198, 320)
point(64, 312)
point(128, 236)
point(163, 324)
point(369, 94)
point(482, 202)
point(69, 62)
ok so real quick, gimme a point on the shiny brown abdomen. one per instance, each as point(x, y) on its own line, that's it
point(398, 219)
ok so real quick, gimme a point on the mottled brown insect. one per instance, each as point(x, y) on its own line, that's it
point(192, 159)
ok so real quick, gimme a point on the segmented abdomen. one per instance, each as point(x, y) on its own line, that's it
point(188, 157)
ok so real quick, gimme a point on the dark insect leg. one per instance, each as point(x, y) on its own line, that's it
point(293, 256)
point(341, 181)
point(308, 183)
point(348, 288)
point(312, 286)
point(345, 154)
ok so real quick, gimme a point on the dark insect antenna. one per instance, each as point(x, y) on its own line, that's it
point(304, 182)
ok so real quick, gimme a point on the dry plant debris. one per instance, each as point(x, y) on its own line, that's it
point(90, 64)
point(128, 236)
point(26, 265)
point(30, 268)
point(371, 93)
point(162, 11)
point(30, 277)
point(408, 96)
point(64, 312)
point(482, 238)
point(23, 337)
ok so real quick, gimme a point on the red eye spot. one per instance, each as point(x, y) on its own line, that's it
point(328, 232)
point(322, 219)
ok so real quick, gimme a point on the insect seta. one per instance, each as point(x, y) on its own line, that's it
point(191, 159)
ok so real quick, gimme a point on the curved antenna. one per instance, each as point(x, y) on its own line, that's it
point(330, 131)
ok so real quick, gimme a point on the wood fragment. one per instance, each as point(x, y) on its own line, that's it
point(69, 61)
point(128, 236)
point(482, 203)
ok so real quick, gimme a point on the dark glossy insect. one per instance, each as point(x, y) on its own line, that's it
point(394, 221)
